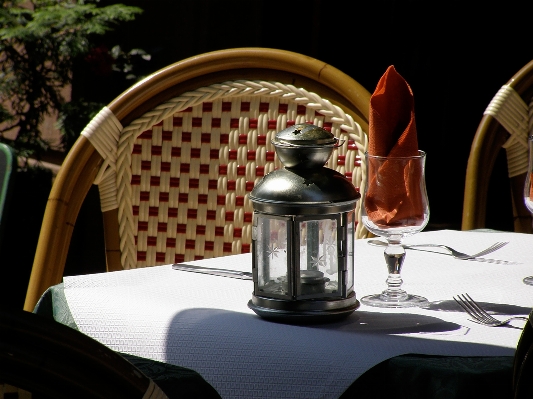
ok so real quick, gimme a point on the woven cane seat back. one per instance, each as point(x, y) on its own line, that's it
point(183, 181)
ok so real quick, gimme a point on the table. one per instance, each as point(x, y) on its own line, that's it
point(202, 323)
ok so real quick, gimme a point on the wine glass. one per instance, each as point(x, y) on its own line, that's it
point(395, 206)
point(528, 192)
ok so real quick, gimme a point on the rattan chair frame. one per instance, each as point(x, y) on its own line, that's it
point(488, 141)
point(146, 104)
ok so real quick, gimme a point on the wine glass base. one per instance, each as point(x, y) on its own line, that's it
point(528, 280)
point(381, 301)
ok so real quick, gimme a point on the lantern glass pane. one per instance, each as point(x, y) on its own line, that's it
point(350, 227)
point(271, 255)
point(319, 253)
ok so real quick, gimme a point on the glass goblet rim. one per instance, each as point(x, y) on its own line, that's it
point(421, 154)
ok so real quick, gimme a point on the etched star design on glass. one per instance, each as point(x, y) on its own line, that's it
point(272, 251)
point(318, 261)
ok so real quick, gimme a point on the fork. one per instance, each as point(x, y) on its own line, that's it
point(480, 315)
point(459, 255)
point(456, 254)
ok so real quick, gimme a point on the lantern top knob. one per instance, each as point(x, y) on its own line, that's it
point(305, 146)
point(304, 135)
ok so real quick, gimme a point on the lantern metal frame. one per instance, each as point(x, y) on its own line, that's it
point(296, 304)
point(303, 191)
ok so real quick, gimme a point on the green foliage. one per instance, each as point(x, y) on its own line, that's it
point(39, 42)
point(75, 115)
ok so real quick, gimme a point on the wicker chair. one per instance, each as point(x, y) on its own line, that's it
point(506, 123)
point(176, 155)
point(42, 358)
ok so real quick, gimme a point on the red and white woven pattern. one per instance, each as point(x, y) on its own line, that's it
point(183, 171)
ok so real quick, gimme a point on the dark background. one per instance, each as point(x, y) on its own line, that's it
point(455, 55)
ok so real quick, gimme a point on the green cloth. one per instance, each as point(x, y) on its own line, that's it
point(436, 377)
point(53, 304)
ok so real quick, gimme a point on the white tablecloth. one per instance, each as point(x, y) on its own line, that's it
point(202, 322)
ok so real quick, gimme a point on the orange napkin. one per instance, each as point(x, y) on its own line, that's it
point(392, 133)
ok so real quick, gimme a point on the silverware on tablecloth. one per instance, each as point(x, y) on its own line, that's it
point(480, 315)
point(456, 254)
point(212, 271)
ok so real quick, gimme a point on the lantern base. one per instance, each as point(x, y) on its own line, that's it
point(305, 311)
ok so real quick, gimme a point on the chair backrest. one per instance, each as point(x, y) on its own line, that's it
point(51, 360)
point(506, 123)
point(176, 155)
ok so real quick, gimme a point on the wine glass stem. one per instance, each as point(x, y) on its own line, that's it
point(394, 257)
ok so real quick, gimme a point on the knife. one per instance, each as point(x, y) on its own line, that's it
point(215, 272)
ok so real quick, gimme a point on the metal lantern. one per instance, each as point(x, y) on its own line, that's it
point(303, 232)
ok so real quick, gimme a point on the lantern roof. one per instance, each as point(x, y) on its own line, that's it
point(293, 191)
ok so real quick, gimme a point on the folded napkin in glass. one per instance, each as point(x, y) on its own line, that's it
point(392, 133)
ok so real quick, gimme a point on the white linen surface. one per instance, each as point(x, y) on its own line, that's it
point(203, 322)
